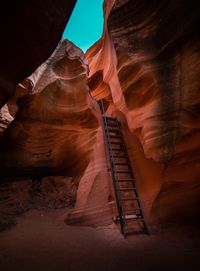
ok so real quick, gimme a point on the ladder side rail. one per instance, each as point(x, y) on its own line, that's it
point(102, 106)
point(117, 195)
point(122, 212)
point(134, 182)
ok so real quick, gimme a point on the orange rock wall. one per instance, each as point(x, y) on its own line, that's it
point(146, 67)
point(5, 118)
point(57, 131)
point(54, 129)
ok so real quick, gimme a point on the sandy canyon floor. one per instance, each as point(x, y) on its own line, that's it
point(42, 241)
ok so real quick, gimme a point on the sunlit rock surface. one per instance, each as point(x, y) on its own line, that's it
point(94, 203)
point(146, 67)
point(5, 118)
point(54, 128)
point(57, 131)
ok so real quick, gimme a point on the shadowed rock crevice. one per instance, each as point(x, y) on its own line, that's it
point(18, 197)
point(30, 31)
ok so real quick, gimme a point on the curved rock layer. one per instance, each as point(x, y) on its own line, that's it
point(56, 132)
point(94, 202)
point(30, 31)
point(146, 67)
point(5, 118)
point(55, 127)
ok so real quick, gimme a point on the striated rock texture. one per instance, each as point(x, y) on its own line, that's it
point(94, 202)
point(56, 132)
point(5, 118)
point(146, 68)
point(55, 126)
point(30, 31)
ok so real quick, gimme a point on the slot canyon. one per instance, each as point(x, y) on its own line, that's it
point(57, 200)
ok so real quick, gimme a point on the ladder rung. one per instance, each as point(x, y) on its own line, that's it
point(108, 122)
point(127, 199)
point(114, 136)
point(119, 156)
point(116, 142)
point(129, 217)
point(126, 180)
point(121, 171)
point(127, 189)
point(116, 149)
point(120, 164)
point(112, 124)
point(134, 220)
point(133, 209)
point(133, 217)
point(113, 130)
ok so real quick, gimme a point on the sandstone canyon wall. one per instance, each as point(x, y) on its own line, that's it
point(30, 31)
point(146, 68)
point(56, 131)
point(55, 125)
point(5, 118)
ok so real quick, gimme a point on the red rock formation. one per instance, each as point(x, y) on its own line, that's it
point(56, 131)
point(146, 67)
point(5, 118)
point(94, 201)
point(24, 88)
point(30, 31)
point(55, 127)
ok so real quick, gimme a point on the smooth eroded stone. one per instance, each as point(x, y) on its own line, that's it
point(146, 68)
point(55, 126)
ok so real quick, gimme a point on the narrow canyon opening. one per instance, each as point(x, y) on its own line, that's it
point(87, 19)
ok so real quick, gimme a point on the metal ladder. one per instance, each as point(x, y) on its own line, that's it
point(130, 214)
